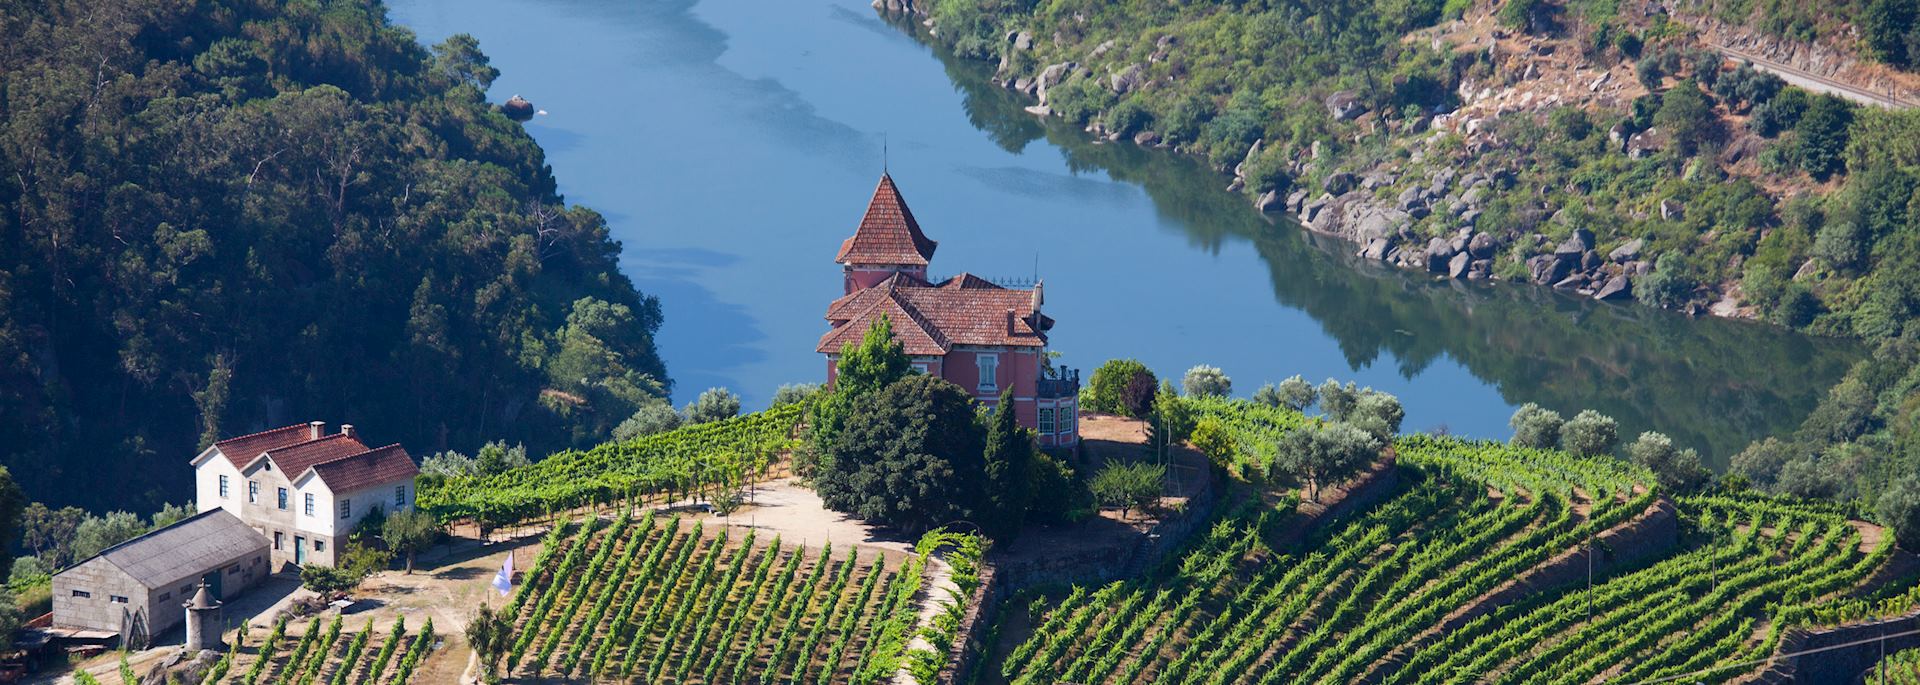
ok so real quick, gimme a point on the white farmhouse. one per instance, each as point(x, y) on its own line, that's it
point(302, 488)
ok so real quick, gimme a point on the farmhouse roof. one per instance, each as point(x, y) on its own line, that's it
point(296, 459)
point(241, 450)
point(185, 549)
point(887, 234)
point(373, 467)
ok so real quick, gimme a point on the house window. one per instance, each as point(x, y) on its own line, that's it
point(253, 492)
point(1068, 416)
point(1046, 421)
point(184, 589)
point(319, 545)
point(307, 503)
point(82, 594)
point(164, 596)
point(925, 368)
point(989, 372)
point(283, 499)
point(279, 539)
point(223, 486)
point(346, 508)
point(399, 497)
point(117, 599)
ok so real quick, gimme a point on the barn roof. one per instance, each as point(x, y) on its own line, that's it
point(185, 549)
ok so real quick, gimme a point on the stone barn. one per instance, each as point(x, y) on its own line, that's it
point(138, 588)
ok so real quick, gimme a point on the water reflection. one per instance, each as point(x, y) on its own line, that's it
point(1710, 383)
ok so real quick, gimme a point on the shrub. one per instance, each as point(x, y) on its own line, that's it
point(1213, 439)
point(1066, 497)
point(1535, 426)
point(1206, 381)
point(1377, 413)
point(1590, 433)
point(1336, 401)
point(1760, 462)
point(1822, 136)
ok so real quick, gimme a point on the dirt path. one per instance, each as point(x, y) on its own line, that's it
point(1811, 81)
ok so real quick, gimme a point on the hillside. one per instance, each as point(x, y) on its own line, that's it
point(1601, 148)
point(228, 216)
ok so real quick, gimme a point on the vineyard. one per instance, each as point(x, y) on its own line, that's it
point(1389, 595)
point(655, 599)
point(695, 459)
point(1899, 669)
point(324, 654)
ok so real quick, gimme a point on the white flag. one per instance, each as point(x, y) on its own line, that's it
point(504, 581)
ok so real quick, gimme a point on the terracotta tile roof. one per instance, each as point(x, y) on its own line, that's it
point(887, 233)
point(296, 459)
point(367, 469)
point(929, 320)
point(241, 450)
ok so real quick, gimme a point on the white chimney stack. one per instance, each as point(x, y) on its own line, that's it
point(346, 429)
point(315, 429)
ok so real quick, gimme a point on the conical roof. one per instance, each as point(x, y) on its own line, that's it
point(887, 234)
point(203, 599)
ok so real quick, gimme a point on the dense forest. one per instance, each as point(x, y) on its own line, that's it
point(227, 215)
point(1729, 190)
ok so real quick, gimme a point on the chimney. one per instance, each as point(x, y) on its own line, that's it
point(315, 429)
point(346, 429)
point(1011, 316)
point(1039, 295)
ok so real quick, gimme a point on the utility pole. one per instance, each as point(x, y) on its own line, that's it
point(1589, 576)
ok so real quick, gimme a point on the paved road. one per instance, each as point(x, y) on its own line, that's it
point(1814, 82)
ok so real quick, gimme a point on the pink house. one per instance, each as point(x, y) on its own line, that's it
point(983, 337)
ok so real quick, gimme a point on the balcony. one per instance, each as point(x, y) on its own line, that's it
point(1057, 383)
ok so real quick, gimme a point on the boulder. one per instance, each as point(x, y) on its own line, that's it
point(1589, 260)
point(1296, 199)
point(1438, 253)
point(1345, 106)
point(1572, 281)
point(1052, 76)
point(1457, 267)
point(1412, 197)
point(1024, 85)
point(1474, 195)
point(1312, 210)
point(1639, 268)
point(1145, 138)
point(1237, 185)
point(1546, 269)
point(517, 108)
point(1482, 246)
point(1377, 248)
point(1627, 251)
point(1023, 41)
point(1102, 48)
point(1269, 202)
point(1617, 288)
point(1580, 241)
point(1672, 211)
point(1338, 182)
point(1128, 79)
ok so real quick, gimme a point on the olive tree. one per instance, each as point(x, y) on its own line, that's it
point(1377, 413)
point(1535, 426)
point(1206, 381)
point(1590, 433)
point(1324, 453)
point(714, 404)
point(1296, 393)
point(653, 417)
point(1678, 470)
point(1336, 400)
point(1899, 508)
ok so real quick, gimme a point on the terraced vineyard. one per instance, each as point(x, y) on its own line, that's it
point(1902, 668)
point(656, 599)
point(696, 458)
point(1395, 593)
point(326, 654)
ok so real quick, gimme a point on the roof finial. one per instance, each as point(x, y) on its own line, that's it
point(883, 153)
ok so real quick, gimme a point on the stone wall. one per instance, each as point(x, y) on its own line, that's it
point(1835, 663)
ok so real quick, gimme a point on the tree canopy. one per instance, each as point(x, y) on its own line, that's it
point(227, 215)
point(910, 456)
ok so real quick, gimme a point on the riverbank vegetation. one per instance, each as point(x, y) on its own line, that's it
point(1663, 174)
point(228, 215)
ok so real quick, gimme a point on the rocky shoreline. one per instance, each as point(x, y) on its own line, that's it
point(1348, 208)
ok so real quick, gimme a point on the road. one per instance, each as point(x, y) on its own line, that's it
point(1814, 82)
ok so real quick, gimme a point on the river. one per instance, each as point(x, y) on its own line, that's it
point(733, 144)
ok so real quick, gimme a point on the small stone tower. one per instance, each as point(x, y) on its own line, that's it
point(203, 621)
